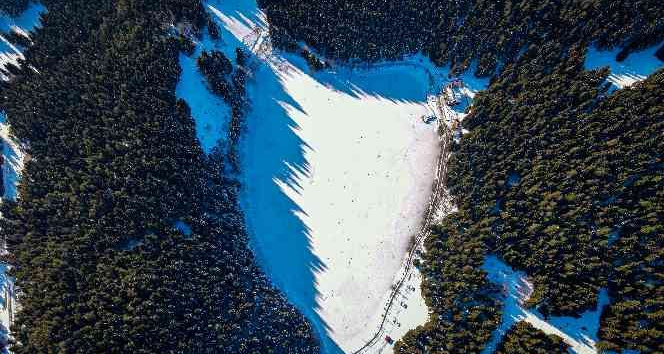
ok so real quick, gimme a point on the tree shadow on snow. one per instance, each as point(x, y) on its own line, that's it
point(273, 154)
point(579, 332)
point(272, 159)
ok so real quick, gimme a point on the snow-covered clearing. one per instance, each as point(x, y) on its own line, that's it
point(635, 68)
point(22, 24)
point(337, 169)
point(580, 333)
point(211, 114)
point(336, 183)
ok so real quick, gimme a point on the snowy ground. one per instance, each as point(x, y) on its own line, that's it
point(635, 68)
point(13, 160)
point(22, 24)
point(210, 112)
point(12, 166)
point(337, 169)
point(7, 301)
point(580, 333)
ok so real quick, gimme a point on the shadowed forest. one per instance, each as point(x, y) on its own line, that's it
point(481, 35)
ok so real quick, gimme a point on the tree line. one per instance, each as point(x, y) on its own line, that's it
point(13, 7)
point(564, 181)
point(100, 263)
point(484, 32)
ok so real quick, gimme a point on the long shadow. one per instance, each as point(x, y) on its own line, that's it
point(272, 157)
point(273, 154)
point(25, 21)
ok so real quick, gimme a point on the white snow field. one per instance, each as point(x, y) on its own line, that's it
point(580, 333)
point(337, 171)
point(635, 68)
point(22, 24)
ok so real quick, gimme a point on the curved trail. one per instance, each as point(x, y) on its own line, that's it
point(437, 195)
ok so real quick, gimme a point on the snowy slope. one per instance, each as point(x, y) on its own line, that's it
point(338, 168)
point(12, 166)
point(12, 153)
point(13, 157)
point(211, 114)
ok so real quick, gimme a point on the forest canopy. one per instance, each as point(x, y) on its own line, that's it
point(126, 237)
point(564, 181)
point(484, 32)
point(13, 7)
